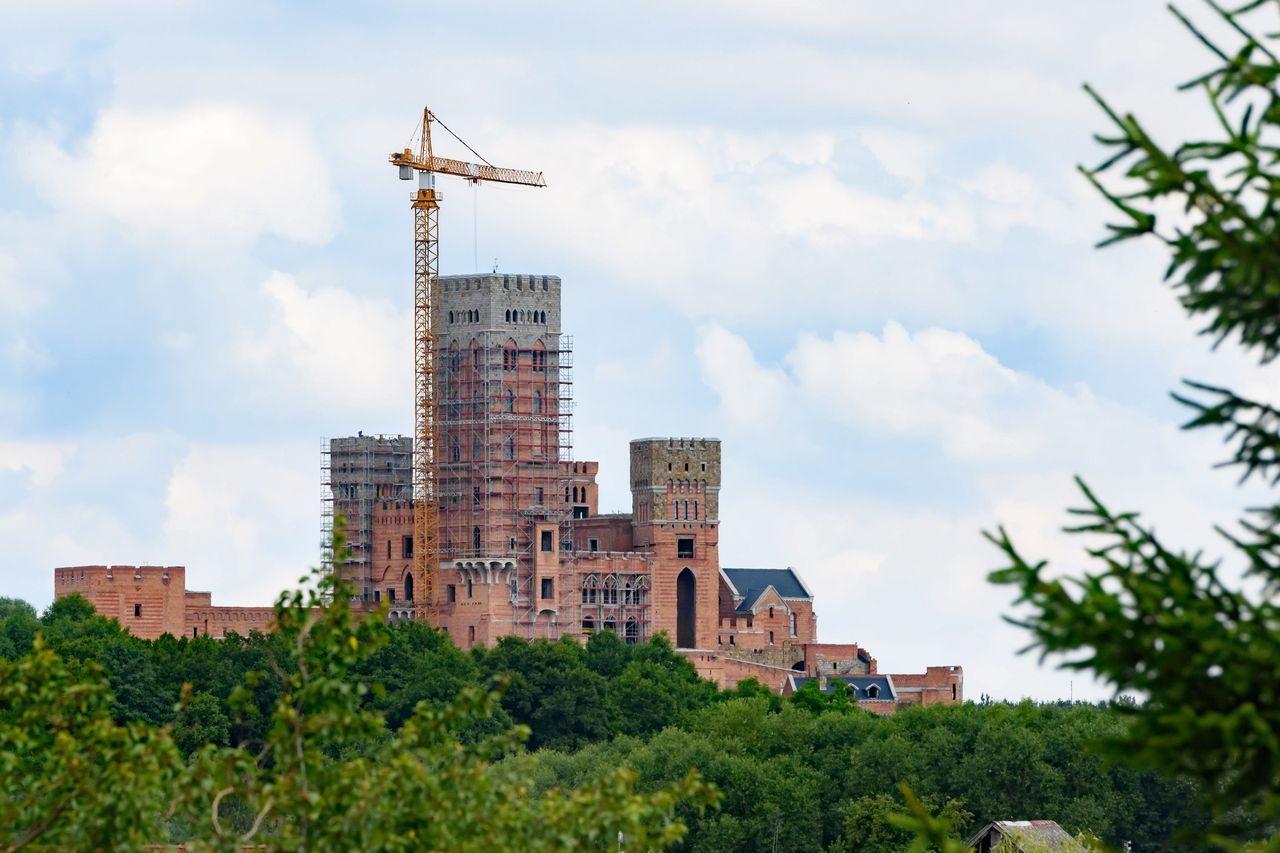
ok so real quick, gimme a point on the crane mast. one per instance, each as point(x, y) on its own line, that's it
point(425, 203)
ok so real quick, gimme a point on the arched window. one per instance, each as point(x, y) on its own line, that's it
point(770, 612)
point(475, 545)
point(509, 402)
point(633, 632)
point(509, 449)
point(408, 587)
point(575, 494)
point(508, 315)
point(537, 402)
point(450, 316)
point(588, 624)
point(793, 623)
point(873, 692)
point(695, 510)
point(543, 319)
point(455, 452)
point(566, 494)
point(686, 610)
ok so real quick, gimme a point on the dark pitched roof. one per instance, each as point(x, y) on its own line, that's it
point(861, 685)
point(750, 584)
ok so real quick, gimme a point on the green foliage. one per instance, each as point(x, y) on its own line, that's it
point(70, 776)
point(328, 778)
point(882, 823)
point(570, 696)
point(811, 697)
point(1153, 618)
point(18, 626)
point(321, 772)
point(830, 779)
point(927, 832)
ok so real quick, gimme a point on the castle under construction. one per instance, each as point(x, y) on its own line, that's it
point(524, 549)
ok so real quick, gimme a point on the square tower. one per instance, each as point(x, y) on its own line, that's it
point(362, 473)
point(504, 453)
point(675, 499)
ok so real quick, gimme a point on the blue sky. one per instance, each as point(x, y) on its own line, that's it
point(845, 238)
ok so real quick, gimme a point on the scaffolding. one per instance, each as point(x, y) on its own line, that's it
point(506, 446)
point(617, 601)
point(356, 473)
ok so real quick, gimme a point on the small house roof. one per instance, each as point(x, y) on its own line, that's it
point(750, 584)
point(1027, 835)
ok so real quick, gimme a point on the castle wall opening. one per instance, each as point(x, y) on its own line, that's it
point(686, 610)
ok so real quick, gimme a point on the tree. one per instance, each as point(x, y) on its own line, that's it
point(1153, 618)
point(868, 829)
point(70, 777)
point(322, 771)
point(329, 777)
point(18, 626)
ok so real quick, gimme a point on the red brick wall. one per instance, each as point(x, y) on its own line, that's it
point(220, 621)
point(160, 600)
point(838, 659)
point(156, 593)
point(611, 532)
point(938, 685)
point(389, 565)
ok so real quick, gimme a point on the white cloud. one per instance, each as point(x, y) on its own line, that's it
point(17, 299)
point(329, 349)
point(748, 392)
point(43, 461)
point(908, 156)
point(243, 518)
point(204, 175)
point(236, 519)
point(936, 384)
point(906, 446)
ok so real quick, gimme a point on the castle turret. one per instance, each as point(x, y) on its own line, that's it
point(675, 498)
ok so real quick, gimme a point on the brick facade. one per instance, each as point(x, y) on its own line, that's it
point(526, 551)
point(151, 601)
point(524, 548)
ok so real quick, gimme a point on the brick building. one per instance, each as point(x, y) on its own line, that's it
point(154, 600)
point(524, 548)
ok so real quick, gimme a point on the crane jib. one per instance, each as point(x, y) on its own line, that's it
point(471, 171)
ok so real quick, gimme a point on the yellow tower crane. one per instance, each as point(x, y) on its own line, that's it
point(426, 269)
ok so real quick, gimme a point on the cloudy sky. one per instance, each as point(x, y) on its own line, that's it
point(847, 238)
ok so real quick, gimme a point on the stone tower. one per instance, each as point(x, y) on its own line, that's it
point(504, 448)
point(362, 474)
point(675, 498)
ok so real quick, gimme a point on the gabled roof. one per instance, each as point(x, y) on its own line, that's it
point(748, 585)
point(861, 685)
point(1030, 835)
